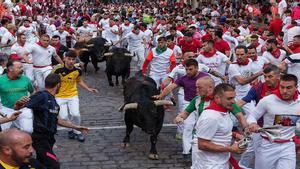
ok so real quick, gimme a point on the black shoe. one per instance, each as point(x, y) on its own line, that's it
point(186, 156)
point(71, 135)
point(80, 137)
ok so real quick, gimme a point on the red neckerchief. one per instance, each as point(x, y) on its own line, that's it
point(13, 33)
point(263, 38)
point(266, 90)
point(26, 26)
point(277, 93)
point(209, 54)
point(208, 98)
point(93, 23)
point(255, 58)
point(133, 31)
point(242, 63)
point(214, 106)
point(183, 63)
point(40, 44)
point(171, 46)
point(276, 53)
point(126, 24)
point(256, 44)
point(56, 47)
point(290, 26)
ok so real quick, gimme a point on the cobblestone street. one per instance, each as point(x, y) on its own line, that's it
point(102, 148)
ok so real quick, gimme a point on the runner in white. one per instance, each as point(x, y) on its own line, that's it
point(215, 60)
point(63, 35)
point(162, 61)
point(19, 52)
point(280, 109)
point(28, 31)
point(273, 55)
point(292, 65)
point(42, 53)
point(213, 131)
point(136, 45)
point(111, 34)
point(8, 39)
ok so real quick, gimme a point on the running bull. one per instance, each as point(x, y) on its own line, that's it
point(92, 50)
point(141, 110)
point(118, 64)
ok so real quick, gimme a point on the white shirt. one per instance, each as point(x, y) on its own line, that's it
point(282, 4)
point(216, 62)
point(20, 51)
point(258, 64)
point(293, 66)
point(160, 62)
point(271, 59)
point(108, 35)
point(84, 31)
point(41, 56)
point(6, 39)
point(50, 29)
point(244, 32)
point(270, 106)
point(148, 34)
point(135, 40)
point(240, 70)
point(127, 29)
point(104, 23)
point(63, 36)
point(29, 33)
point(290, 33)
point(216, 127)
point(2, 31)
point(177, 51)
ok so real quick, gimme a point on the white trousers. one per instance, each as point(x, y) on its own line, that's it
point(139, 55)
point(158, 78)
point(23, 122)
point(269, 155)
point(40, 75)
point(188, 127)
point(181, 108)
point(69, 110)
point(248, 157)
point(28, 71)
point(198, 163)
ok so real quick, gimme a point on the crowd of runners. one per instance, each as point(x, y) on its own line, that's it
point(236, 65)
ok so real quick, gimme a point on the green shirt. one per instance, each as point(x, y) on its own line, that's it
point(197, 104)
point(13, 90)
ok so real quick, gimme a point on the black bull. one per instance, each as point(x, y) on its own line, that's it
point(94, 49)
point(142, 111)
point(118, 64)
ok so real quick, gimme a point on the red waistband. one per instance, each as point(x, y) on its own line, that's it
point(40, 66)
point(293, 139)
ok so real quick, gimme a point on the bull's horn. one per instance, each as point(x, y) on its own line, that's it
point(90, 45)
point(107, 44)
point(163, 102)
point(130, 106)
point(108, 54)
point(128, 54)
point(84, 49)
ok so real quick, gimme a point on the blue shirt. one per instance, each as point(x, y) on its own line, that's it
point(45, 111)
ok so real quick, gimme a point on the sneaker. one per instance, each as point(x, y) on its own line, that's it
point(71, 135)
point(80, 137)
point(178, 136)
